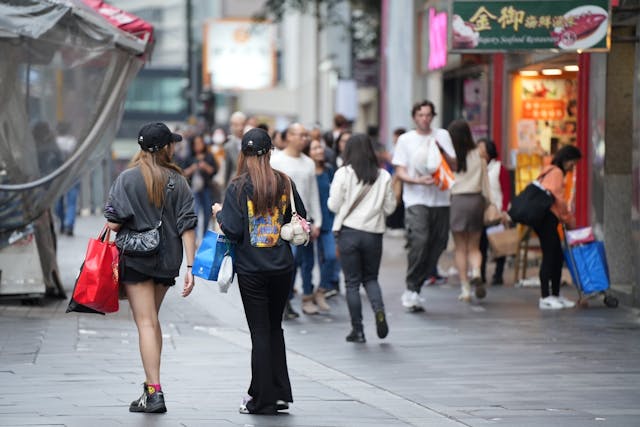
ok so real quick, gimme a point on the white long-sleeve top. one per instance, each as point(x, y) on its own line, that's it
point(493, 173)
point(302, 171)
point(370, 213)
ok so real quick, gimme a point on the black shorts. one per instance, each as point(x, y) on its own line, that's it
point(130, 276)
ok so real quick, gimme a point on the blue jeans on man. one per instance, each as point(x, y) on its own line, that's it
point(66, 208)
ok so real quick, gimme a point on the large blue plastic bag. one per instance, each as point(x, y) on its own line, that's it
point(591, 264)
point(210, 254)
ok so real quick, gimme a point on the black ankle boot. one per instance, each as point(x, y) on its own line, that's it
point(356, 335)
point(382, 328)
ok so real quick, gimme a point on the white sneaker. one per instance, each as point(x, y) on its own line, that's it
point(566, 303)
point(465, 292)
point(550, 303)
point(408, 298)
point(411, 300)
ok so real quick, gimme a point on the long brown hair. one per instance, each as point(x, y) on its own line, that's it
point(268, 184)
point(462, 142)
point(155, 171)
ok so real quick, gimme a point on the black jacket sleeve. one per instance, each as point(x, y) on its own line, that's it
point(302, 211)
point(232, 216)
point(186, 218)
point(118, 208)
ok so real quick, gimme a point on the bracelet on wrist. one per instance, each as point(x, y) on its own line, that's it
point(189, 266)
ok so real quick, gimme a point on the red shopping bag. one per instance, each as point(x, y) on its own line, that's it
point(96, 288)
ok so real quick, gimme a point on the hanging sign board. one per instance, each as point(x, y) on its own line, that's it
point(508, 25)
point(239, 54)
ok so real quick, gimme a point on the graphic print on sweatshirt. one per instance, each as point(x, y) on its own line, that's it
point(264, 231)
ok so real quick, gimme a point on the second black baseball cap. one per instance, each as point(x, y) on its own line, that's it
point(256, 142)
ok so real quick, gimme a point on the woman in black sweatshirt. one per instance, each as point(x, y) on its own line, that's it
point(256, 205)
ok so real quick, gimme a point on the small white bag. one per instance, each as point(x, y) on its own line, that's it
point(225, 276)
point(297, 230)
point(427, 158)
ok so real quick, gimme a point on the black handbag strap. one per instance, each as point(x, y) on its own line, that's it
point(170, 186)
point(541, 176)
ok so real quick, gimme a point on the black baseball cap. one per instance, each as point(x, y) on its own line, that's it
point(256, 142)
point(153, 136)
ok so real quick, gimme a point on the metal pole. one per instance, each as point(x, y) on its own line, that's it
point(191, 109)
point(317, 64)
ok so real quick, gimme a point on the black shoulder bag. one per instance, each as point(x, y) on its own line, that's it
point(143, 243)
point(532, 203)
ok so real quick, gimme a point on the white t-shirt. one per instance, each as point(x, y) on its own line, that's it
point(302, 171)
point(418, 194)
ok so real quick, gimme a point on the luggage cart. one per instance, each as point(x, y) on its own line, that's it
point(587, 263)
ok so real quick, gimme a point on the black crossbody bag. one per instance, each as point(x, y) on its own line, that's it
point(143, 243)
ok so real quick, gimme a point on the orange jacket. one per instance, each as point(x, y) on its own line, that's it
point(553, 180)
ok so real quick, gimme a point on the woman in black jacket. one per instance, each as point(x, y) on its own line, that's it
point(153, 190)
point(256, 205)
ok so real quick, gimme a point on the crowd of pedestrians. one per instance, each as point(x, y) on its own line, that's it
point(350, 190)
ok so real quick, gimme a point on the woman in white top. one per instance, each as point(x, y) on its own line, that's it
point(469, 196)
point(361, 196)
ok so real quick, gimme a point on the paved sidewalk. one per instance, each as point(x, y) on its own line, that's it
point(500, 362)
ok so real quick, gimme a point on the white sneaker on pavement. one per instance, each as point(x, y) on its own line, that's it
point(550, 303)
point(411, 300)
point(566, 303)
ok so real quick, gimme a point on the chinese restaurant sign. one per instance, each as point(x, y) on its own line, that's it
point(509, 25)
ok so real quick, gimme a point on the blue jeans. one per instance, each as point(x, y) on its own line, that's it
point(304, 259)
point(202, 202)
point(66, 207)
point(329, 264)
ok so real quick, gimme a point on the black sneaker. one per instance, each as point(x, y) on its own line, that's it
point(480, 290)
point(150, 403)
point(356, 336)
point(289, 312)
point(381, 324)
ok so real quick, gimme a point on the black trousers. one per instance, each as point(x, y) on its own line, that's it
point(484, 247)
point(552, 257)
point(360, 254)
point(264, 297)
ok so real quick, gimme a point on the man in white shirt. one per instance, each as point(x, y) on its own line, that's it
point(301, 169)
point(426, 206)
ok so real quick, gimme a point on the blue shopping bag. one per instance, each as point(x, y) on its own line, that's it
point(590, 271)
point(209, 257)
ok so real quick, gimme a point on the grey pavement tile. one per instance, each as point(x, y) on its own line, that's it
point(501, 362)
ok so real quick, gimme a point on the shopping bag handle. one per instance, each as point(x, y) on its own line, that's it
point(105, 234)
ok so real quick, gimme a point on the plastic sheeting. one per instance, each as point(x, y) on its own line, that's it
point(64, 70)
